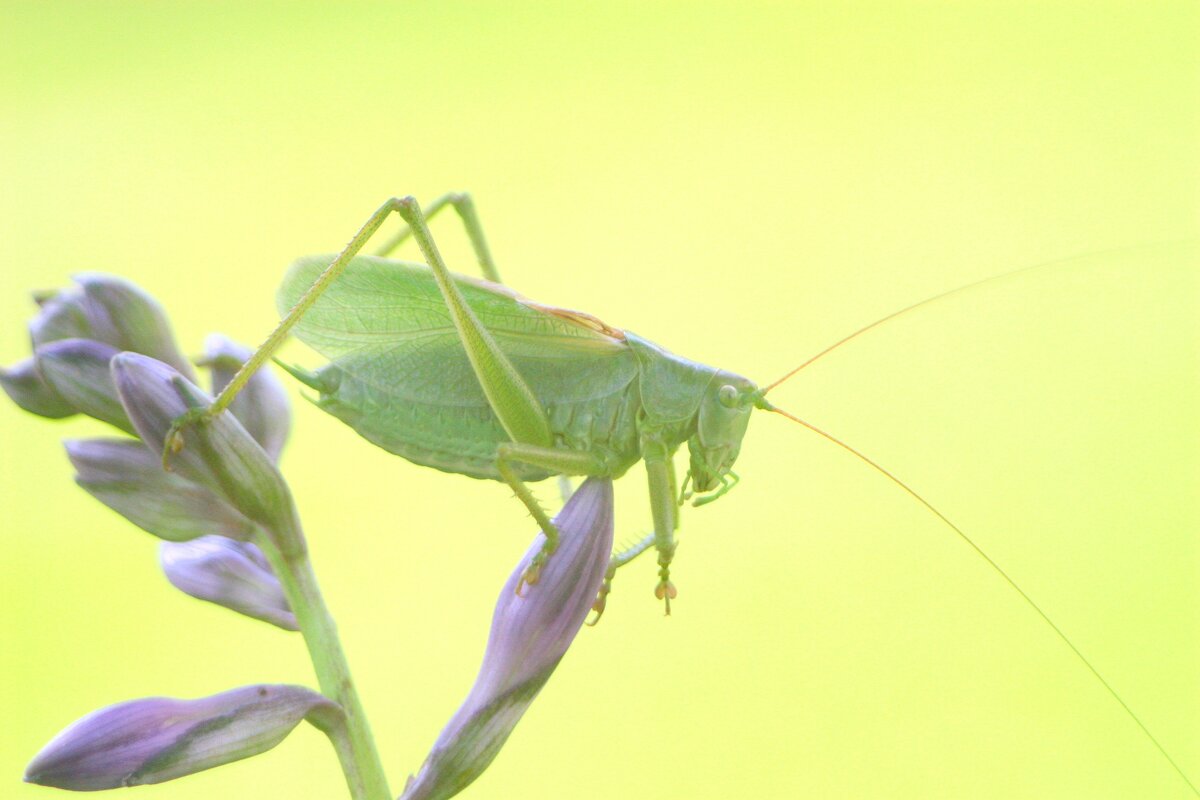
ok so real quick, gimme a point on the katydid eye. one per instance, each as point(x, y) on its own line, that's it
point(727, 396)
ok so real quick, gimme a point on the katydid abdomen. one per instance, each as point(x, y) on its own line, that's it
point(463, 438)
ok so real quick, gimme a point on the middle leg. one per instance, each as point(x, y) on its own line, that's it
point(664, 503)
point(618, 560)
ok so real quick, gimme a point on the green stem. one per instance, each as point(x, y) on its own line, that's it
point(356, 747)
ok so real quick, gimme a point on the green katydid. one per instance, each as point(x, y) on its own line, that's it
point(467, 376)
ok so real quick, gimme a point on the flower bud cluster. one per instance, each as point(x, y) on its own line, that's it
point(71, 334)
point(104, 349)
point(84, 343)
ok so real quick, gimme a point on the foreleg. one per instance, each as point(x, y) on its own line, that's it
point(660, 475)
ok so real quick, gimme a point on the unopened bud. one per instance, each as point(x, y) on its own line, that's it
point(228, 573)
point(78, 371)
point(158, 739)
point(107, 309)
point(25, 386)
point(530, 634)
point(262, 406)
point(216, 452)
point(128, 478)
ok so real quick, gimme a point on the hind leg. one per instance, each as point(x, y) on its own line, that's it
point(465, 206)
point(569, 462)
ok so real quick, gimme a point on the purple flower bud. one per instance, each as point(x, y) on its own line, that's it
point(262, 406)
point(158, 739)
point(77, 370)
point(228, 573)
point(109, 310)
point(530, 634)
point(128, 478)
point(28, 390)
point(216, 453)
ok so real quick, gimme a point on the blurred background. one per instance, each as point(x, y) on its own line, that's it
point(745, 184)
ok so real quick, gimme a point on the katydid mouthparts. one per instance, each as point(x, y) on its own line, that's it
point(467, 376)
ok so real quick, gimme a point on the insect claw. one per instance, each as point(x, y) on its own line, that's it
point(601, 599)
point(599, 609)
point(172, 444)
point(174, 441)
point(531, 574)
point(666, 592)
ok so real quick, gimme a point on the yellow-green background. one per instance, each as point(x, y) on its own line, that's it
point(744, 183)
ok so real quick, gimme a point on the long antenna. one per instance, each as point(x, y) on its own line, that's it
point(935, 298)
point(1029, 600)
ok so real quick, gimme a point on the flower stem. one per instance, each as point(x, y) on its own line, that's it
point(355, 747)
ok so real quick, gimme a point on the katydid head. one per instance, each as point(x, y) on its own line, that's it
point(721, 423)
